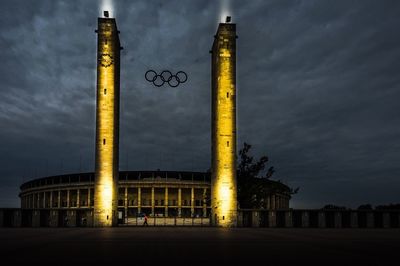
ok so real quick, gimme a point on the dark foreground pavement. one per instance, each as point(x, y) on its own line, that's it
point(205, 246)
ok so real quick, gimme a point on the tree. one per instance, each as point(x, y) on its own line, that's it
point(365, 207)
point(333, 207)
point(391, 206)
point(253, 189)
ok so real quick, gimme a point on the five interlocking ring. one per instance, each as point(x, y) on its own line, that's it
point(166, 77)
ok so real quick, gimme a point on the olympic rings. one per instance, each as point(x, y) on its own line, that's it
point(166, 76)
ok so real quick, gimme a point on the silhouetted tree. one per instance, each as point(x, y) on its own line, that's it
point(391, 206)
point(333, 207)
point(365, 207)
point(253, 189)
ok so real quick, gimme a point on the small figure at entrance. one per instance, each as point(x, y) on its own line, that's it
point(145, 220)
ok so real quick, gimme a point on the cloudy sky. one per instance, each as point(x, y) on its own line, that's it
point(318, 91)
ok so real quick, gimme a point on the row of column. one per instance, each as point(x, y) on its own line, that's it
point(166, 205)
point(84, 198)
point(276, 202)
point(55, 199)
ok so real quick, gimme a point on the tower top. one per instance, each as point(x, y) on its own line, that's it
point(106, 14)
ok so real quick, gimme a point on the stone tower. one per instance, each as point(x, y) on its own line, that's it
point(107, 122)
point(223, 90)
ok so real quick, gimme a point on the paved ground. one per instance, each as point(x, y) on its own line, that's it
point(189, 246)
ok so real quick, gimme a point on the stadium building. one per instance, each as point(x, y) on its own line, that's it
point(158, 194)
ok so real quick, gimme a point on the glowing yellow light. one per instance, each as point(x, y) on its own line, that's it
point(223, 186)
point(224, 192)
point(107, 117)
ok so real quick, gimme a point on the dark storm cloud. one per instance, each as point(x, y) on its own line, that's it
point(317, 91)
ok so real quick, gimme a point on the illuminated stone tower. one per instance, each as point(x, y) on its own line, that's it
point(223, 165)
point(107, 122)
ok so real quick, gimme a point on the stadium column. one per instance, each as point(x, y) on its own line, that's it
point(204, 203)
point(192, 202)
point(166, 202)
point(223, 91)
point(152, 201)
point(51, 199)
point(59, 199)
point(139, 200)
point(273, 203)
point(88, 197)
point(68, 194)
point(107, 123)
point(126, 204)
point(179, 202)
point(78, 198)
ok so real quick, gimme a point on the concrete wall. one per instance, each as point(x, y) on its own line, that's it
point(17, 218)
point(272, 219)
point(71, 215)
point(89, 218)
point(248, 218)
point(255, 219)
point(305, 219)
point(54, 217)
point(386, 220)
point(36, 218)
point(398, 219)
point(240, 219)
point(321, 219)
point(353, 219)
point(288, 219)
point(338, 220)
point(370, 220)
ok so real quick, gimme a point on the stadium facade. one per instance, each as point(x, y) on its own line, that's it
point(154, 193)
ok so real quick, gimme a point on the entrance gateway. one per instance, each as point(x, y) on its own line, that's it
point(223, 144)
